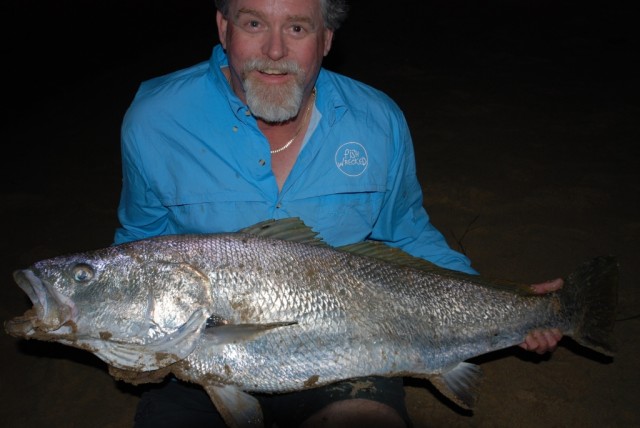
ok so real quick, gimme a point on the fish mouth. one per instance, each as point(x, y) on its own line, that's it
point(52, 313)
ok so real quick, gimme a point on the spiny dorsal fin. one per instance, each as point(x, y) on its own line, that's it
point(288, 229)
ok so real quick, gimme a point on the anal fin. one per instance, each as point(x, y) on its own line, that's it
point(460, 384)
point(237, 408)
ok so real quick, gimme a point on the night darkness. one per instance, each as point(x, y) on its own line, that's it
point(525, 119)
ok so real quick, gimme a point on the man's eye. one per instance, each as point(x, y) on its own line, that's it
point(254, 24)
point(297, 28)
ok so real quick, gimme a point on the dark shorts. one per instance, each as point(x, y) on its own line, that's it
point(178, 404)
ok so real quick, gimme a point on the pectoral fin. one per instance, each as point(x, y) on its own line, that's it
point(460, 384)
point(237, 408)
point(222, 334)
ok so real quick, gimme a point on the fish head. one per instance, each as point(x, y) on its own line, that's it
point(134, 308)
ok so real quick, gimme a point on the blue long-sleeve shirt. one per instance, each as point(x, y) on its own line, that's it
point(194, 161)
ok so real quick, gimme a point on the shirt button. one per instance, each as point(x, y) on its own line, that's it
point(262, 162)
point(235, 129)
point(247, 113)
point(279, 205)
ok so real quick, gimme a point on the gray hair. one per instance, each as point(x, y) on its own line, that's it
point(334, 12)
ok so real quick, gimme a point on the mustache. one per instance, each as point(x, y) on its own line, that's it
point(266, 65)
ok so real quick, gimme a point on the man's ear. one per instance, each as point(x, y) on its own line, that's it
point(328, 39)
point(222, 28)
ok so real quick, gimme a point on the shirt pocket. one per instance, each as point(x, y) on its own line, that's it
point(340, 218)
point(214, 212)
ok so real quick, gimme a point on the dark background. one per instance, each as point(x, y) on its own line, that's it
point(524, 115)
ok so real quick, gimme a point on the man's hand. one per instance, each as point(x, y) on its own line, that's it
point(542, 341)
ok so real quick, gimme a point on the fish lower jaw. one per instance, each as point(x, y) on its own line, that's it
point(20, 326)
point(26, 330)
point(30, 326)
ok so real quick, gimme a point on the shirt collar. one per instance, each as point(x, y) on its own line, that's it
point(217, 62)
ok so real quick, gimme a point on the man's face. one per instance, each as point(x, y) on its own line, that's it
point(275, 50)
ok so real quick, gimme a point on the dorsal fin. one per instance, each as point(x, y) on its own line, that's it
point(288, 229)
point(382, 251)
point(295, 230)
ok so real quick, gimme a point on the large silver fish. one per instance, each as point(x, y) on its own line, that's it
point(273, 309)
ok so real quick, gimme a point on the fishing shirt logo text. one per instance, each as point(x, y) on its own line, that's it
point(352, 159)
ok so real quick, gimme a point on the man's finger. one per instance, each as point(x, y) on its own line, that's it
point(548, 286)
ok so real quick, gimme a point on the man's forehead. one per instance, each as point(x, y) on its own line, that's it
point(306, 7)
point(299, 11)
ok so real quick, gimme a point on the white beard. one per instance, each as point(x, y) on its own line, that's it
point(273, 103)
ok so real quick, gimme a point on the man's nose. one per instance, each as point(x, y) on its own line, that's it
point(275, 47)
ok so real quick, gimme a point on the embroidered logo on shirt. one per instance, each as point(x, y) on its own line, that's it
point(352, 159)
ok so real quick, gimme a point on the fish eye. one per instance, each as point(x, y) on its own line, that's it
point(82, 272)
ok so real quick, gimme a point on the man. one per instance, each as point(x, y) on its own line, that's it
point(263, 131)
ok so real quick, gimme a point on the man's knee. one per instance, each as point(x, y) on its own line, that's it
point(355, 412)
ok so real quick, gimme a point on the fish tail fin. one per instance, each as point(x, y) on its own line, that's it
point(590, 294)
